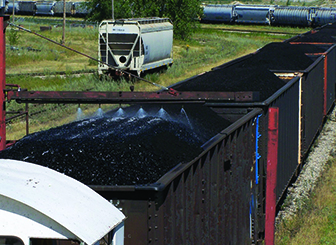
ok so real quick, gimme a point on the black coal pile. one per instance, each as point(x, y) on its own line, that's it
point(127, 150)
point(235, 79)
point(281, 56)
point(325, 35)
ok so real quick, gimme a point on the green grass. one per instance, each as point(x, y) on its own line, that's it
point(316, 222)
point(49, 57)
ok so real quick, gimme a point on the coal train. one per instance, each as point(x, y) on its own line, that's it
point(216, 178)
point(212, 13)
point(268, 14)
point(46, 8)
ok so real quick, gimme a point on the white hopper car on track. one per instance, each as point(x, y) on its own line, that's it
point(134, 45)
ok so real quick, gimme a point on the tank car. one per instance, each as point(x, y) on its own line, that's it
point(253, 14)
point(45, 8)
point(293, 16)
point(322, 16)
point(9, 8)
point(135, 45)
point(218, 13)
point(27, 7)
point(79, 9)
point(58, 8)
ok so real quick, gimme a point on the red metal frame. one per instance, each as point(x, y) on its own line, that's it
point(325, 85)
point(3, 83)
point(77, 97)
point(271, 174)
point(316, 43)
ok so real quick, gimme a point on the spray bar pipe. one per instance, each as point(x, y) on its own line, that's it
point(79, 97)
point(170, 90)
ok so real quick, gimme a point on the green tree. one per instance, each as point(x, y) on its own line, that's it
point(102, 10)
point(183, 13)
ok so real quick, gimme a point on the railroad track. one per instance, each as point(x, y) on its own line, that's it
point(251, 31)
point(59, 73)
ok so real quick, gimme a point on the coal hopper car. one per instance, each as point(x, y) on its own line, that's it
point(134, 45)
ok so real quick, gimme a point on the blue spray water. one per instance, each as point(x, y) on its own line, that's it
point(141, 113)
point(163, 114)
point(99, 112)
point(119, 113)
point(183, 112)
point(79, 114)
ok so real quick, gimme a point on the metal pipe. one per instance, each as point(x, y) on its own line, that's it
point(27, 120)
point(63, 30)
point(78, 97)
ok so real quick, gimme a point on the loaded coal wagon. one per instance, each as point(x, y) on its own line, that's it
point(173, 185)
point(135, 45)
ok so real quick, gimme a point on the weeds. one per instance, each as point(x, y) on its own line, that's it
point(316, 221)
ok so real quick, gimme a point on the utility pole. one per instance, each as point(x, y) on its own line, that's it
point(112, 9)
point(64, 15)
point(13, 10)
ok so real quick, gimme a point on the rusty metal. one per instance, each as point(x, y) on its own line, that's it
point(3, 83)
point(127, 97)
point(316, 43)
point(271, 174)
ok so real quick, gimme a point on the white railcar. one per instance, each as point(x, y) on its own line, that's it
point(39, 206)
point(135, 45)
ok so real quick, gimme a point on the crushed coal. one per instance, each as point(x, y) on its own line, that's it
point(255, 73)
point(281, 56)
point(128, 149)
point(325, 35)
point(235, 79)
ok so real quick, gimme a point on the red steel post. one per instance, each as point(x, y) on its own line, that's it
point(3, 84)
point(325, 85)
point(271, 174)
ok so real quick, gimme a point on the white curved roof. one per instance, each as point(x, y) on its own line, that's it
point(54, 202)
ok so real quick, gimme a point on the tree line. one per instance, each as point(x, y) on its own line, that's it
point(183, 13)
